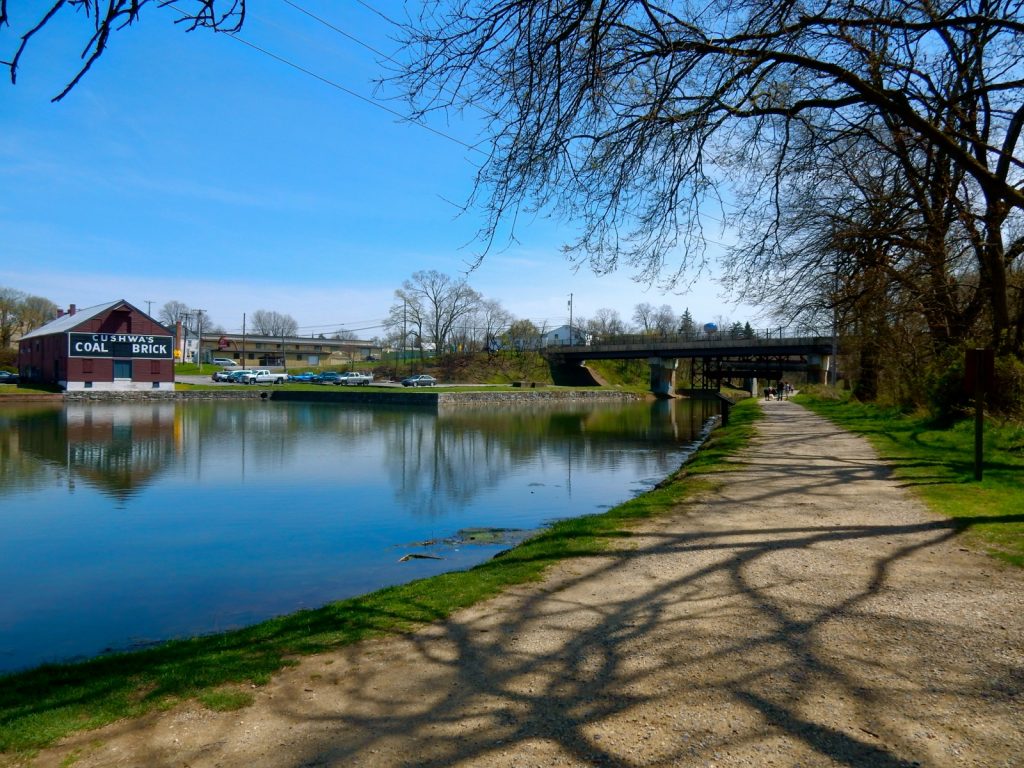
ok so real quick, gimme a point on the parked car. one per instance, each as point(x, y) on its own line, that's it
point(224, 362)
point(306, 377)
point(329, 377)
point(235, 377)
point(221, 375)
point(6, 377)
point(419, 380)
point(355, 378)
point(263, 376)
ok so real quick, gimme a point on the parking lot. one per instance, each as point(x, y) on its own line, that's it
point(205, 379)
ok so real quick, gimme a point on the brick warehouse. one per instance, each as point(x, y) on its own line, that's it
point(111, 347)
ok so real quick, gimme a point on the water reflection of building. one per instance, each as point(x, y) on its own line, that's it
point(116, 448)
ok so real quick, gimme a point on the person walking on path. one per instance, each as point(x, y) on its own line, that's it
point(805, 611)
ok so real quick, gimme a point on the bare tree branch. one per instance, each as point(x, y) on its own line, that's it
point(110, 16)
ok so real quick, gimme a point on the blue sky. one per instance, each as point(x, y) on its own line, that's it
point(191, 167)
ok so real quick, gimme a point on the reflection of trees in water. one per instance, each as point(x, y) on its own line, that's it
point(117, 448)
point(272, 434)
point(444, 461)
point(21, 470)
point(435, 460)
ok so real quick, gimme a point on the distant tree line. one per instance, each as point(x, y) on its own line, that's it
point(21, 313)
point(442, 314)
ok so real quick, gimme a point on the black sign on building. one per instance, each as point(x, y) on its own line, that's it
point(120, 345)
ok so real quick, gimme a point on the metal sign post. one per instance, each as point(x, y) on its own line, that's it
point(979, 373)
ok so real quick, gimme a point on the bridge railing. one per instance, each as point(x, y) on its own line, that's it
point(764, 337)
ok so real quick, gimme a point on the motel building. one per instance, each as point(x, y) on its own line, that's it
point(112, 347)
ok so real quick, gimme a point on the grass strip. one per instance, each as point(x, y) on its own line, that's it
point(937, 463)
point(40, 706)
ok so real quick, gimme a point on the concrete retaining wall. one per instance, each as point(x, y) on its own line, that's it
point(149, 395)
point(431, 399)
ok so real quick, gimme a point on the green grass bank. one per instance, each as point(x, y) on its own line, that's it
point(40, 706)
point(937, 463)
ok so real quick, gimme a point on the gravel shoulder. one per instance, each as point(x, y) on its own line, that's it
point(807, 612)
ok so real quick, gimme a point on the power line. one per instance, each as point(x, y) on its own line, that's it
point(349, 36)
point(334, 84)
point(354, 94)
point(342, 32)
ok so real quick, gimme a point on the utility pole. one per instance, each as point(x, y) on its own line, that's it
point(199, 338)
point(570, 320)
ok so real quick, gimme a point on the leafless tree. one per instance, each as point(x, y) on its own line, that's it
point(606, 322)
point(270, 323)
point(643, 317)
point(664, 320)
point(634, 118)
point(877, 241)
point(193, 321)
point(406, 321)
point(102, 18)
point(438, 302)
point(171, 312)
point(490, 320)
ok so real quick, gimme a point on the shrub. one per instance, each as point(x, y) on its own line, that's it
point(948, 398)
point(1007, 393)
point(944, 384)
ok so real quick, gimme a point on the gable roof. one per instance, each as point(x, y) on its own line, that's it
point(65, 323)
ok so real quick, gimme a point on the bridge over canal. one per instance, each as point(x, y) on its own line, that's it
point(714, 358)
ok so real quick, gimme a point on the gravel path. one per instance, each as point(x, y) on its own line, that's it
point(807, 613)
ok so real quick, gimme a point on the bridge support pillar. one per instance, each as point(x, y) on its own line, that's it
point(663, 375)
point(751, 386)
point(818, 368)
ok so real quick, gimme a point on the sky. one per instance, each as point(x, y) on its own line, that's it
point(266, 172)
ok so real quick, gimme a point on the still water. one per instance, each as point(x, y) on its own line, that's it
point(122, 525)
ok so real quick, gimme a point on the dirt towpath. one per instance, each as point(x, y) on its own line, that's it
point(809, 612)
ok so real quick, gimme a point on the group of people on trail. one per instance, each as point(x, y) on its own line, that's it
point(780, 391)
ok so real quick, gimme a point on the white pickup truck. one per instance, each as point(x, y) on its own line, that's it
point(354, 377)
point(263, 376)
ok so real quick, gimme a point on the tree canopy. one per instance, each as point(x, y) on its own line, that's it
point(644, 122)
point(21, 313)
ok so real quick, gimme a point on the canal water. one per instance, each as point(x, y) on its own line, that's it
point(123, 525)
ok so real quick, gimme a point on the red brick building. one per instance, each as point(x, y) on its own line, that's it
point(112, 347)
